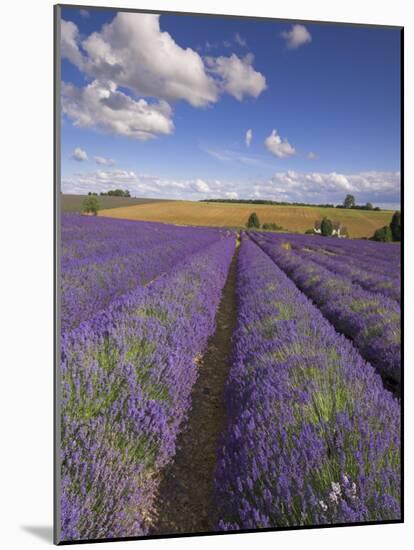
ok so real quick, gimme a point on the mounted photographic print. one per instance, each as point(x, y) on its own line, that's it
point(228, 227)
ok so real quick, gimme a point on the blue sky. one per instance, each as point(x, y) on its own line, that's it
point(161, 106)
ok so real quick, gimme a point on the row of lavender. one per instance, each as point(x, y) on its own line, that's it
point(367, 253)
point(375, 275)
point(379, 274)
point(127, 375)
point(372, 321)
point(103, 259)
point(85, 239)
point(312, 436)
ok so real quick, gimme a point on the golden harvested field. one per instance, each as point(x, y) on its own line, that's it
point(360, 223)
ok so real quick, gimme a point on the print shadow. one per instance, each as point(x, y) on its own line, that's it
point(43, 532)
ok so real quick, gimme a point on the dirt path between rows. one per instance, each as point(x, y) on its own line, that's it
point(185, 501)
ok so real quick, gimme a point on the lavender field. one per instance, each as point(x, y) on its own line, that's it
point(255, 376)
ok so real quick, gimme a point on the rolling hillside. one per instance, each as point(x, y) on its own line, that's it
point(360, 223)
point(73, 203)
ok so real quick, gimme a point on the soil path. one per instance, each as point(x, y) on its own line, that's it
point(185, 501)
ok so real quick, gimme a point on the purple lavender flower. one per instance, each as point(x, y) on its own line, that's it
point(372, 321)
point(127, 375)
point(312, 436)
point(105, 258)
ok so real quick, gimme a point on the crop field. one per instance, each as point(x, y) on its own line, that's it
point(360, 223)
point(74, 203)
point(301, 426)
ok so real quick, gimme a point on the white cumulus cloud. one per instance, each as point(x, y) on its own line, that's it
point(312, 156)
point(132, 51)
point(141, 185)
point(103, 161)
point(323, 187)
point(238, 77)
point(249, 137)
point(202, 186)
point(380, 188)
point(79, 154)
point(279, 147)
point(102, 105)
point(69, 43)
point(297, 36)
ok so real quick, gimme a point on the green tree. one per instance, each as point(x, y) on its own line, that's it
point(118, 193)
point(395, 226)
point(349, 201)
point(90, 205)
point(383, 235)
point(326, 227)
point(253, 221)
point(369, 206)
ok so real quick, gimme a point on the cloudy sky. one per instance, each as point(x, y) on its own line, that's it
point(199, 107)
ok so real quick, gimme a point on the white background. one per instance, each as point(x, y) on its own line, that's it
point(26, 271)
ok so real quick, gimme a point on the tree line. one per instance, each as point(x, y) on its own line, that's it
point(111, 193)
point(349, 202)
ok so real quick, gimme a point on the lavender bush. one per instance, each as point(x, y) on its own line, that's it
point(127, 375)
point(367, 253)
point(312, 436)
point(89, 239)
point(103, 259)
point(371, 320)
point(375, 279)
